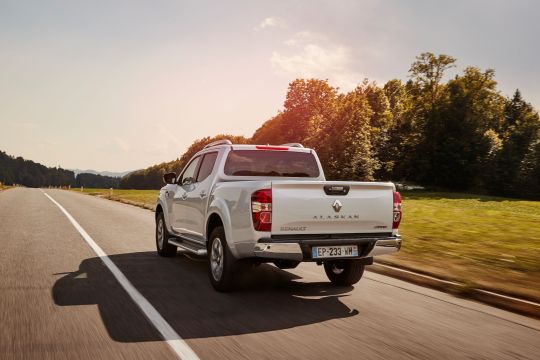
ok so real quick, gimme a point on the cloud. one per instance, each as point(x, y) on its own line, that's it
point(306, 37)
point(23, 125)
point(271, 22)
point(311, 55)
point(116, 145)
point(161, 143)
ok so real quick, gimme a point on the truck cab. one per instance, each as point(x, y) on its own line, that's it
point(245, 204)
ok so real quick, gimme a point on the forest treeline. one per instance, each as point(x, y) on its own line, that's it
point(457, 133)
point(18, 171)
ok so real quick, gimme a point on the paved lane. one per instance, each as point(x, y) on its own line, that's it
point(57, 297)
point(39, 249)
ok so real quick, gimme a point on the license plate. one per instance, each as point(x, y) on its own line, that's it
point(318, 252)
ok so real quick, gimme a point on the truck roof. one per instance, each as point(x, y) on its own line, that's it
point(269, 147)
point(283, 147)
point(256, 147)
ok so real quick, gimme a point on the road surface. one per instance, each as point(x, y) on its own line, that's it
point(58, 299)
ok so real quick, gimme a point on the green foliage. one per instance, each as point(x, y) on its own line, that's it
point(309, 104)
point(152, 177)
point(270, 132)
point(198, 145)
point(519, 131)
point(142, 198)
point(528, 178)
point(345, 144)
point(459, 134)
point(18, 171)
point(88, 180)
point(456, 143)
point(427, 72)
point(446, 236)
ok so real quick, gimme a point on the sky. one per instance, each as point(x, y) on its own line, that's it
point(122, 85)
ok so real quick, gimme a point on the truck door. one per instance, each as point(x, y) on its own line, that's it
point(197, 199)
point(186, 183)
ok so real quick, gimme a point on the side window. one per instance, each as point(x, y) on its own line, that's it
point(188, 176)
point(207, 166)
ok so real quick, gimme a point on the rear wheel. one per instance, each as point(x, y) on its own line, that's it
point(344, 272)
point(162, 238)
point(221, 263)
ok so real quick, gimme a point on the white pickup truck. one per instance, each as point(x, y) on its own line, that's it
point(243, 205)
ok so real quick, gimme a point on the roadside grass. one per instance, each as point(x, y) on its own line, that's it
point(143, 198)
point(485, 242)
point(4, 187)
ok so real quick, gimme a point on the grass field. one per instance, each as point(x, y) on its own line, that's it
point(142, 198)
point(485, 242)
point(4, 187)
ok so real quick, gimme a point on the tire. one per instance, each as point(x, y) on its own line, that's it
point(222, 267)
point(162, 238)
point(344, 272)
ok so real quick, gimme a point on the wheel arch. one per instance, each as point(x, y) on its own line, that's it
point(214, 220)
point(159, 209)
point(219, 207)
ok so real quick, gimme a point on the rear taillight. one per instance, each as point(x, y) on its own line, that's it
point(261, 209)
point(397, 210)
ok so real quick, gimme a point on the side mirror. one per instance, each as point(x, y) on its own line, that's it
point(169, 178)
point(188, 181)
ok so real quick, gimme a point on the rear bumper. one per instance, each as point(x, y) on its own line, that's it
point(300, 250)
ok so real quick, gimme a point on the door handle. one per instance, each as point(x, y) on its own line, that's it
point(184, 196)
point(202, 194)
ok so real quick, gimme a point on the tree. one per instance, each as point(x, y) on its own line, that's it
point(473, 107)
point(347, 151)
point(270, 132)
point(393, 151)
point(427, 72)
point(529, 173)
point(152, 177)
point(28, 173)
point(96, 181)
point(381, 124)
point(308, 105)
point(457, 134)
point(519, 130)
point(428, 98)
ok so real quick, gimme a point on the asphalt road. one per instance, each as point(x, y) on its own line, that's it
point(59, 301)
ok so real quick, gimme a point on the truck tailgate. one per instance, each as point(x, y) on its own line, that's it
point(305, 207)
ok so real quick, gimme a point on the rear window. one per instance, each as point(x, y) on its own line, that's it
point(271, 163)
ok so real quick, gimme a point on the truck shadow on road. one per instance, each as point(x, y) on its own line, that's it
point(268, 299)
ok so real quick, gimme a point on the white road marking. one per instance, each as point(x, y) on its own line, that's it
point(177, 344)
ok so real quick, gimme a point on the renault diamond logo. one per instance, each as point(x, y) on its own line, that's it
point(337, 205)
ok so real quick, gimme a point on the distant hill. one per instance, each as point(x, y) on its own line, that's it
point(19, 171)
point(89, 180)
point(152, 177)
point(16, 170)
point(103, 173)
